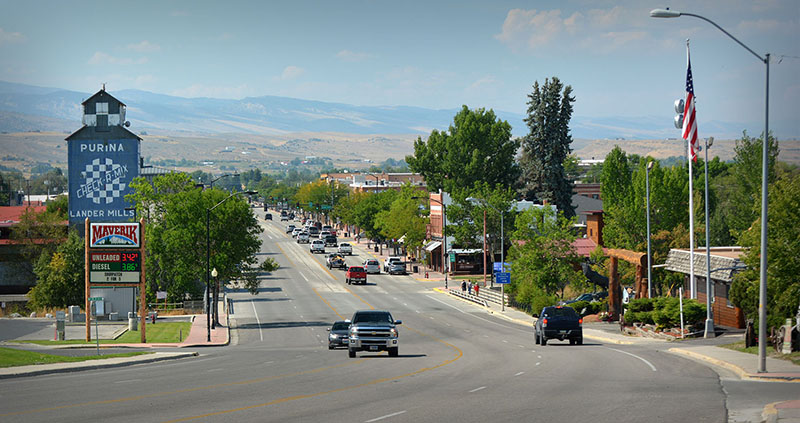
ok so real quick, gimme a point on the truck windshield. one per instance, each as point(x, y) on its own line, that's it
point(376, 317)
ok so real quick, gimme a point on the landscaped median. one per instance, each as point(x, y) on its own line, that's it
point(159, 333)
point(10, 357)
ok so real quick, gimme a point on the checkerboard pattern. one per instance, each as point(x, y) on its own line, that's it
point(102, 175)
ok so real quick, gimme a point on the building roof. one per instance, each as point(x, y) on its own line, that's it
point(102, 92)
point(726, 258)
point(10, 215)
point(584, 246)
point(91, 133)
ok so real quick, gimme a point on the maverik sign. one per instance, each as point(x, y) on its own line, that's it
point(114, 235)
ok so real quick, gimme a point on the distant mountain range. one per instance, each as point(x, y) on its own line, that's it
point(25, 108)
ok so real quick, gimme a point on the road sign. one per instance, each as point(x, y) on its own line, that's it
point(326, 207)
point(452, 257)
point(95, 298)
point(497, 267)
point(115, 267)
point(502, 278)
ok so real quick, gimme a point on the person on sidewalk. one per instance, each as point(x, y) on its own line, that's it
point(464, 286)
point(476, 289)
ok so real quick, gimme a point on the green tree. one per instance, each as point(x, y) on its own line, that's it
point(476, 147)
point(365, 213)
point(547, 145)
point(543, 259)
point(783, 246)
point(465, 218)
point(403, 219)
point(60, 276)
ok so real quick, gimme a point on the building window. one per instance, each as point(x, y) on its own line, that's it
point(101, 108)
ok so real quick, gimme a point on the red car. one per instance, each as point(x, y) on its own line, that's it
point(355, 274)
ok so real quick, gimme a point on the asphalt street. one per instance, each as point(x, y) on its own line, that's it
point(456, 363)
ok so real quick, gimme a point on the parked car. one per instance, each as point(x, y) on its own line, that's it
point(335, 260)
point(397, 268)
point(303, 238)
point(372, 266)
point(558, 322)
point(345, 248)
point(289, 229)
point(390, 260)
point(338, 333)
point(355, 274)
point(373, 330)
point(317, 246)
point(268, 216)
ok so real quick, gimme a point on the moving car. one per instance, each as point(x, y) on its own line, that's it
point(296, 232)
point(345, 248)
point(323, 234)
point(397, 268)
point(289, 229)
point(330, 240)
point(303, 238)
point(390, 260)
point(317, 246)
point(335, 260)
point(284, 216)
point(373, 330)
point(338, 334)
point(355, 274)
point(313, 231)
point(558, 322)
point(372, 266)
point(268, 216)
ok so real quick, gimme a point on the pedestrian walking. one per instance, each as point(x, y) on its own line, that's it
point(464, 286)
point(476, 289)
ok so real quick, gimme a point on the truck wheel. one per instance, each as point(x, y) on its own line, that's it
point(544, 340)
point(348, 281)
point(351, 353)
point(579, 341)
point(536, 338)
point(393, 352)
point(572, 341)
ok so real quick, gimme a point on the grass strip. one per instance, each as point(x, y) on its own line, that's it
point(159, 333)
point(739, 346)
point(10, 357)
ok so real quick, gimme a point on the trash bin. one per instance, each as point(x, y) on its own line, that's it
point(376, 249)
point(415, 269)
point(132, 323)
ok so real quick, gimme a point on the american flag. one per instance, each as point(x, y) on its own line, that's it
point(689, 121)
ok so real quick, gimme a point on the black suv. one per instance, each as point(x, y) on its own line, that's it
point(330, 241)
point(558, 322)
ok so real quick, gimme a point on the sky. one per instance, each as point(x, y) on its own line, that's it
point(619, 61)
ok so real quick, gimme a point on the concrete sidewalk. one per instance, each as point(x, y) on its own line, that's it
point(744, 365)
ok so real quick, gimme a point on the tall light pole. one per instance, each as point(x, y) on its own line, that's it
point(502, 246)
point(211, 184)
point(709, 332)
point(649, 256)
point(208, 259)
point(762, 291)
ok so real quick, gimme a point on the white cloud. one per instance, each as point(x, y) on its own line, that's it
point(10, 37)
point(292, 72)
point(529, 28)
point(100, 58)
point(352, 56)
point(144, 47)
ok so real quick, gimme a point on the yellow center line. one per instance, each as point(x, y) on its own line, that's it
point(328, 304)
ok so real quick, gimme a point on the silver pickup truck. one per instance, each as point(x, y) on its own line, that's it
point(373, 330)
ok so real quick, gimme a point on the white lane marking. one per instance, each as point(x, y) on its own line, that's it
point(479, 318)
point(215, 370)
point(127, 381)
point(485, 336)
point(261, 335)
point(385, 417)
point(505, 341)
point(538, 363)
point(634, 355)
point(301, 316)
point(521, 346)
point(304, 277)
point(519, 374)
point(431, 317)
point(538, 356)
point(477, 389)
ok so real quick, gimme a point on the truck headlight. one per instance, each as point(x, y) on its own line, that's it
point(393, 332)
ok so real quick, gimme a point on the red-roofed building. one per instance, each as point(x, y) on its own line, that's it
point(16, 274)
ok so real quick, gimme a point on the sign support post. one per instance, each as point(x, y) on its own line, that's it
point(86, 279)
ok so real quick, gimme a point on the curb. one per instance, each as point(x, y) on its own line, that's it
point(770, 413)
point(36, 370)
point(608, 340)
point(742, 373)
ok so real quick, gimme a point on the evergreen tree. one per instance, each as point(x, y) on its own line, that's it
point(547, 146)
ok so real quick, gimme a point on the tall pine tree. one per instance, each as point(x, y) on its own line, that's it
point(547, 146)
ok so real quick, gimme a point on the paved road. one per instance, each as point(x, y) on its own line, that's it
point(456, 362)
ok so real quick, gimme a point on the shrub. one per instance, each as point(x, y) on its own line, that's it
point(580, 305)
point(641, 304)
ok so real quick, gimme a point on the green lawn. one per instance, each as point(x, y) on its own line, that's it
point(739, 346)
point(10, 357)
point(156, 333)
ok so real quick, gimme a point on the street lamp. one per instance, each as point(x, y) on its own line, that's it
point(444, 234)
point(762, 291)
point(214, 318)
point(649, 259)
point(211, 184)
point(502, 247)
point(208, 258)
point(709, 332)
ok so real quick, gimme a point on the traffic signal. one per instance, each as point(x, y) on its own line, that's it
point(679, 110)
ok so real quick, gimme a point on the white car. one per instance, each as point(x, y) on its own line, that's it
point(317, 246)
point(302, 237)
point(345, 248)
point(389, 261)
point(372, 266)
point(296, 231)
point(323, 234)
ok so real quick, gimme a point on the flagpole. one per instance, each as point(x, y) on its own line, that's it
point(689, 134)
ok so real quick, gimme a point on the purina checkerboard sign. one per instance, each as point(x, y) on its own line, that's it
point(99, 175)
point(114, 235)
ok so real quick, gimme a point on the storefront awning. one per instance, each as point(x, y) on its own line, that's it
point(433, 245)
